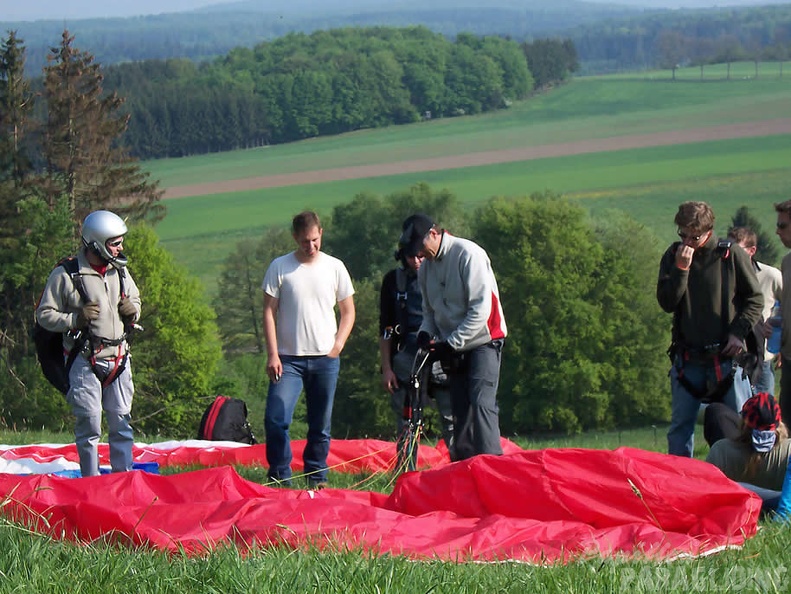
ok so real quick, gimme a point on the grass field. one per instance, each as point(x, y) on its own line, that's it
point(588, 108)
point(646, 182)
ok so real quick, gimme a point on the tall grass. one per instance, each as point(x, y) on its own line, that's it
point(31, 563)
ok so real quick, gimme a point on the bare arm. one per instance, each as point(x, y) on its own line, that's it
point(346, 309)
point(389, 379)
point(274, 368)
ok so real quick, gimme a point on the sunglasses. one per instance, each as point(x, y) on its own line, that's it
point(782, 225)
point(115, 243)
point(683, 235)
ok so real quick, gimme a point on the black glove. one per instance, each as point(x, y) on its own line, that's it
point(441, 351)
point(88, 312)
point(126, 308)
point(423, 340)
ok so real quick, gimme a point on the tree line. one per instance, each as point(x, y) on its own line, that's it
point(300, 86)
point(669, 39)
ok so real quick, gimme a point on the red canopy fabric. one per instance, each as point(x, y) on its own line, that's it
point(544, 506)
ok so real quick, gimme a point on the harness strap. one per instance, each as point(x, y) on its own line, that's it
point(706, 394)
point(119, 364)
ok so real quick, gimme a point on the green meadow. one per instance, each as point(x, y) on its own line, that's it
point(588, 108)
point(648, 183)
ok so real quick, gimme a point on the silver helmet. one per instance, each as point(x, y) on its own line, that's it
point(97, 228)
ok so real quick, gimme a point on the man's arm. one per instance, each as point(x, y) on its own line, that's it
point(345, 325)
point(427, 323)
point(477, 278)
point(389, 379)
point(52, 311)
point(749, 299)
point(672, 282)
point(132, 293)
point(274, 368)
point(387, 320)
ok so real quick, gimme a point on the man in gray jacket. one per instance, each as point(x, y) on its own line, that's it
point(94, 310)
point(463, 324)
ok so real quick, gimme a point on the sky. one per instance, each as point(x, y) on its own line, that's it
point(30, 10)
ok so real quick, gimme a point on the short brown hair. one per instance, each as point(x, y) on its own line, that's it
point(695, 215)
point(783, 207)
point(743, 234)
point(304, 221)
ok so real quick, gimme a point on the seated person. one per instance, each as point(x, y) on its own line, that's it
point(758, 456)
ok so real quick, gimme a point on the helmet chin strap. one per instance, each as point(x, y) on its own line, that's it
point(120, 261)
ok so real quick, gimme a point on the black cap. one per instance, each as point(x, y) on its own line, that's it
point(415, 229)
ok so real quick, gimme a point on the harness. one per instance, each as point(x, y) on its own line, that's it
point(85, 342)
point(402, 315)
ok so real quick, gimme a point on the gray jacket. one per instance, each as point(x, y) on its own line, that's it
point(61, 303)
point(461, 302)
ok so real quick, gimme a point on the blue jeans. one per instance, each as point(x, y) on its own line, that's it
point(319, 376)
point(685, 407)
point(473, 393)
point(766, 382)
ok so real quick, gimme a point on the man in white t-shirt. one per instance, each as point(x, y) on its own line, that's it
point(303, 343)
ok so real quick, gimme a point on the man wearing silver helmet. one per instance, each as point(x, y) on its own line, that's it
point(94, 310)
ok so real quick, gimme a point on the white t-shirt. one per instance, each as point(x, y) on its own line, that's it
point(770, 279)
point(307, 294)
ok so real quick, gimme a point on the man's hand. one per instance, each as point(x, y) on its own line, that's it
point(274, 368)
point(733, 347)
point(389, 380)
point(88, 312)
point(684, 255)
point(126, 308)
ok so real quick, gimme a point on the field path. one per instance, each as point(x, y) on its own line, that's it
point(740, 130)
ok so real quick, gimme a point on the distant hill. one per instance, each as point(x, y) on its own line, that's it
point(72, 10)
point(214, 30)
point(608, 36)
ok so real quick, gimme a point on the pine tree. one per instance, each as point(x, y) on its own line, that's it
point(16, 102)
point(83, 157)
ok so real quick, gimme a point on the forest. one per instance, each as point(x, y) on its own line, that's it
point(329, 82)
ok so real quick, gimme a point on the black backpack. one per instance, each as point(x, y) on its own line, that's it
point(49, 345)
point(226, 420)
